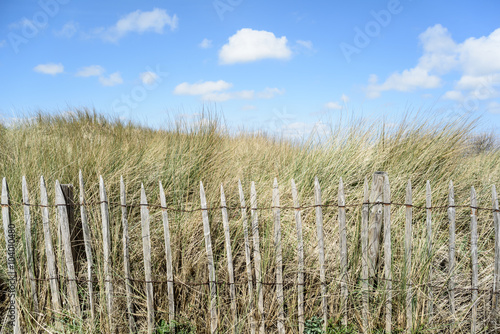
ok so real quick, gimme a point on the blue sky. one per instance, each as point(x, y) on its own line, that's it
point(285, 67)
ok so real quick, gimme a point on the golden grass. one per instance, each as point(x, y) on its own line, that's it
point(58, 146)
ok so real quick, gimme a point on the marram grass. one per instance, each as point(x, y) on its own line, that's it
point(181, 156)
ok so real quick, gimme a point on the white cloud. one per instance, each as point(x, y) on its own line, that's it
point(249, 45)
point(113, 79)
point(306, 44)
point(68, 30)
point(49, 68)
point(201, 88)
point(205, 44)
point(407, 81)
point(217, 91)
point(453, 95)
point(494, 107)
point(90, 71)
point(333, 105)
point(139, 22)
point(149, 78)
point(469, 82)
point(476, 59)
point(344, 98)
point(2, 43)
point(479, 56)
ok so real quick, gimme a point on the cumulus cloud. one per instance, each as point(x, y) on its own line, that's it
point(149, 78)
point(49, 68)
point(90, 71)
point(249, 45)
point(476, 59)
point(217, 91)
point(205, 44)
point(68, 30)
point(112, 80)
point(139, 22)
point(408, 80)
point(201, 88)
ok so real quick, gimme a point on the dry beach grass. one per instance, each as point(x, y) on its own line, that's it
point(57, 147)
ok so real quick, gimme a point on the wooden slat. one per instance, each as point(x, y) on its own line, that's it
point(88, 243)
point(247, 259)
point(28, 240)
point(474, 260)
point(126, 259)
point(210, 260)
point(279, 259)
point(496, 272)
point(229, 255)
point(49, 249)
point(375, 227)
point(364, 257)
point(146, 250)
point(387, 255)
point(168, 256)
point(408, 248)
point(321, 250)
point(9, 233)
point(451, 251)
point(106, 241)
point(428, 204)
point(300, 256)
point(343, 253)
point(68, 255)
point(257, 258)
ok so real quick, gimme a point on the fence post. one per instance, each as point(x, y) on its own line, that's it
point(408, 248)
point(451, 256)
point(247, 259)
point(75, 231)
point(28, 240)
point(279, 260)
point(321, 248)
point(49, 249)
point(364, 257)
point(375, 228)
point(343, 253)
point(210, 259)
point(146, 249)
point(106, 240)
point(126, 258)
point(88, 243)
point(473, 246)
point(388, 255)
point(257, 257)
point(300, 256)
point(10, 235)
point(428, 204)
point(168, 256)
point(229, 254)
point(68, 256)
point(496, 273)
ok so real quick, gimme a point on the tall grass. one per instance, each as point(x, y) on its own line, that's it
point(57, 147)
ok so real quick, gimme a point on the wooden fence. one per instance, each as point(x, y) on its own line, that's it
point(375, 214)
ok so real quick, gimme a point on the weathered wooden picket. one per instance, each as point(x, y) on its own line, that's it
point(375, 213)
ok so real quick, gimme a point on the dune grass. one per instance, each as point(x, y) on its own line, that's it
point(57, 147)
